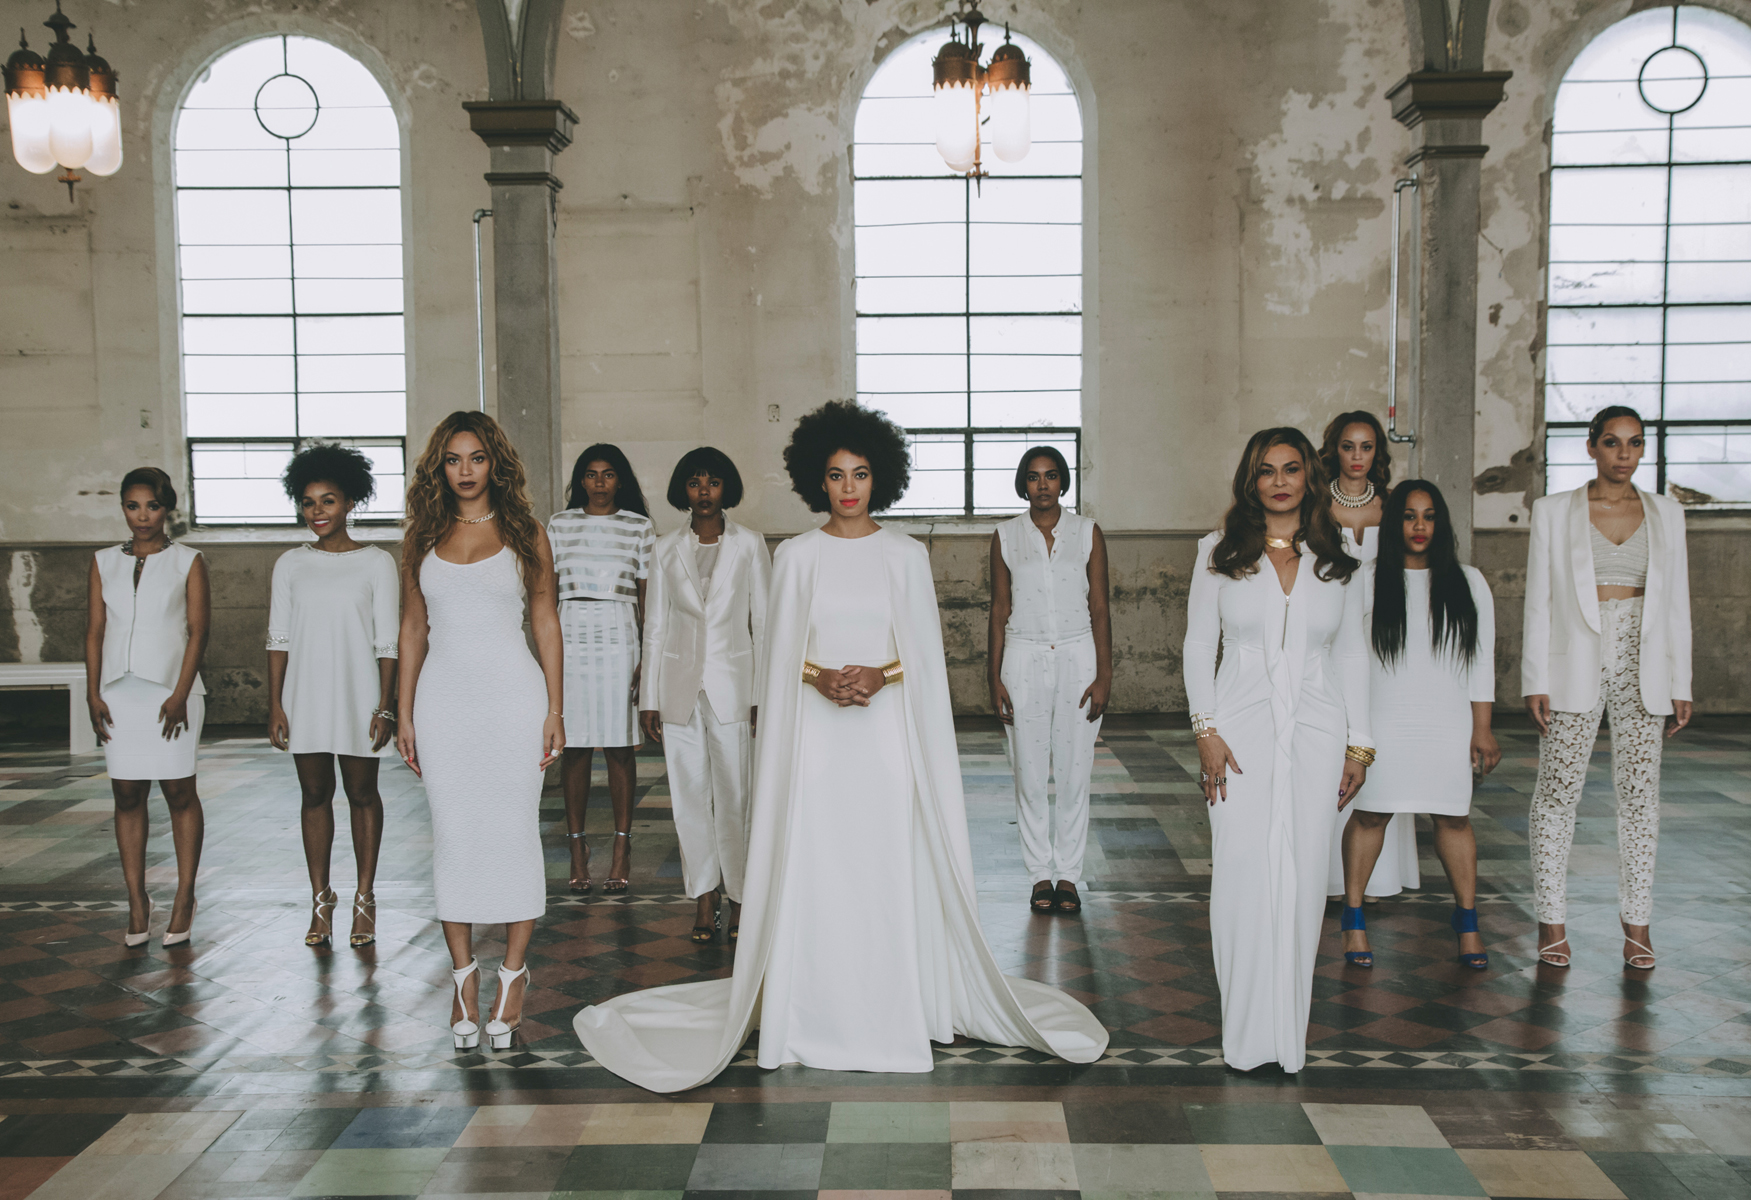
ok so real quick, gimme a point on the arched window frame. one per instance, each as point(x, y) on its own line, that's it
point(262, 457)
point(981, 449)
point(1637, 342)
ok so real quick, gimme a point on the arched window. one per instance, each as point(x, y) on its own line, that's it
point(1650, 252)
point(288, 229)
point(969, 295)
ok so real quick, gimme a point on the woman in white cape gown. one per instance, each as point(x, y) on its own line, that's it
point(674, 1038)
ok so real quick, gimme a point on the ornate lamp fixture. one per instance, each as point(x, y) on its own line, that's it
point(63, 109)
point(964, 89)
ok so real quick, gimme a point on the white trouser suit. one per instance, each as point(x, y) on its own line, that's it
point(1048, 662)
point(705, 630)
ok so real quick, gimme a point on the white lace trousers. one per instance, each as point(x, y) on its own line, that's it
point(1051, 736)
point(1635, 773)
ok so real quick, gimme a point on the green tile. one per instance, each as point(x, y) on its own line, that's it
point(370, 1173)
point(1113, 1168)
point(759, 1167)
point(1405, 1170)
point(627, 1168)
point(1643, 1175)
point(892, 1166)
point(1250, 1125)
point(677, 1195)
point(856, 1121)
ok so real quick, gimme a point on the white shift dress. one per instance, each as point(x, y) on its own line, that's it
point(1422, 711)
point(478, 710)
point(1396, 869)
point(334, 615)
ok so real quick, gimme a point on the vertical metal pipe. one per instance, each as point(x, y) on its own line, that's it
point(1392, 433)
point(480, 307)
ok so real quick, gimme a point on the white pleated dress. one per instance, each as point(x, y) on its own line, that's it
point(599, 561)
point(1292, 692)
point(478, 710)
point(1396, 869)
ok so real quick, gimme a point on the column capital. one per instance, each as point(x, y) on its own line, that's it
point(547, 123)
point(1446, 96)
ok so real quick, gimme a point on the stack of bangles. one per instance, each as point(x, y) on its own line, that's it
point(891, 672)
point(1360, 754)
point(1203, 725)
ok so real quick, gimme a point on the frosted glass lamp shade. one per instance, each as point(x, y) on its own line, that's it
point(29, 116)
point(957, 128)
point(70, 126)
point(106, 136)
point(1011, 127)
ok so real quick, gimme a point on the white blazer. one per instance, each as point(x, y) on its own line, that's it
point(1560, 654)
point(711, 641)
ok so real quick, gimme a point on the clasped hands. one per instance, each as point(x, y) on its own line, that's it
point(850, 685)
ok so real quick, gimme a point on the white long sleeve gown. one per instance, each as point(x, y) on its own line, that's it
point(849, 805)
point(1397, 868)
point(1291, 693)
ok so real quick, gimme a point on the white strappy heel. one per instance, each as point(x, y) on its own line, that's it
point(1633, 961)
point(467, 1032)
point(1554, 953)
point(499, 1034)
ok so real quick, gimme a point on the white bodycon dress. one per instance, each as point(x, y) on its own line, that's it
point(478, 712)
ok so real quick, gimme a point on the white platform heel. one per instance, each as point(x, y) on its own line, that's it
point(499, 1034)
point(467, 1033)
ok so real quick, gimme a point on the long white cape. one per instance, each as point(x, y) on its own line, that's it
point(670, 1039)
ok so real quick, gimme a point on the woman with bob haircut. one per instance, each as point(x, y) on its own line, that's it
point(1607, 629)
point(488, 717)
point(148, 612)
point(862, 943)
point(1357, 456)
point(704, 635)
point(602, 552)
point(1275, 593)
point(1431, 687)
point(1050, 659)
point(332, 628)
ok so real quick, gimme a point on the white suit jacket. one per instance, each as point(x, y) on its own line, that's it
point(1560, 653)
point(712, 641)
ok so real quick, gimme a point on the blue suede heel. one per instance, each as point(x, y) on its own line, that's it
point(1465, 921)
point(1353, 919)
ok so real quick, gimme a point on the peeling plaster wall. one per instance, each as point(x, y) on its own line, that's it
point(1240, 164)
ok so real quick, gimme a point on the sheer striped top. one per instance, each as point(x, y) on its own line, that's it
point(1621, 566)
point(601, 558)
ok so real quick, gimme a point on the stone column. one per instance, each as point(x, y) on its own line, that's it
point(1444, 111)
point(524, 135)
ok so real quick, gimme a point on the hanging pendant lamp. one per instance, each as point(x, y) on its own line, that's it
point(63, 108)
point(964, 90)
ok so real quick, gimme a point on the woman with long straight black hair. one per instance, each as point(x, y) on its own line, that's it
point(1431, 683)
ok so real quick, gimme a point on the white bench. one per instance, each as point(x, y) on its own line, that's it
point(34, 676)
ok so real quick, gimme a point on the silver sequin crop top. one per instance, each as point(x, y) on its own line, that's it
point(1621, 566)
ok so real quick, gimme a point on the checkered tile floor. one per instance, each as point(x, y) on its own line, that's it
point(906, 1150)
point(248, 1065)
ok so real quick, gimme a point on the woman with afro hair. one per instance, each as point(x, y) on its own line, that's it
point(860, 937)
point(333, 627)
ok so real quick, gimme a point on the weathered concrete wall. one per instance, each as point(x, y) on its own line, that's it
point(42, 615)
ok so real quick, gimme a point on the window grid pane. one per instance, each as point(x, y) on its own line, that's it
point(968, 297)
point(1650, 253)
point(290, 262)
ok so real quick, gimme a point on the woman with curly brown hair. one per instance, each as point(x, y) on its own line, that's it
point(857, 795)
point(487, 717)
point(1291, 704)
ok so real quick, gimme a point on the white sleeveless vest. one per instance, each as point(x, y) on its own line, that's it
point(146, 629)
point(1048, 591)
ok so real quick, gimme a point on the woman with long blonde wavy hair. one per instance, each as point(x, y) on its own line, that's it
point(487, 716)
